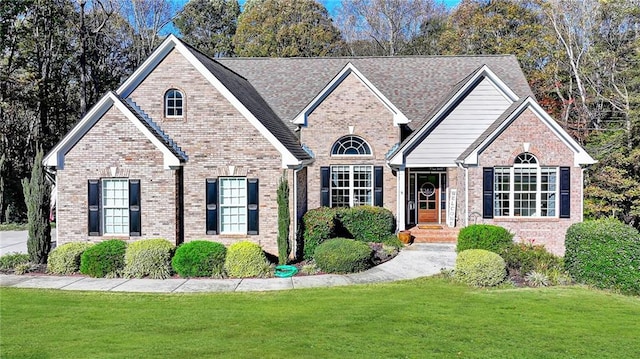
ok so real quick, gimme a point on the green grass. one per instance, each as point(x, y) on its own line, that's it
point(425, 318)
point(13, 227)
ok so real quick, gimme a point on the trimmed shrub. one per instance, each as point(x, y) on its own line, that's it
point(9, 262)
point(65, 259)
point(318, 225)
point(148, 257)
point(199, 259)
point(105, 259)
point(524, 258)
point(604, 253)
point(367, 223)
point(393, 241)
point(484, 236)
point(246, 259)
point(480, 268)
point(342, 255)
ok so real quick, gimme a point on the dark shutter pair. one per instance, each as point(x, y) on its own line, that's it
point(487, 192)
point(95, 215)
point(325, 186)
point(212, 206)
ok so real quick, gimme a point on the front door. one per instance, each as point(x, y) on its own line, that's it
point(428, 186)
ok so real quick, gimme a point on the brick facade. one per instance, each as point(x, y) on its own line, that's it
point(115, 142)
point(350, 104)
point(550, 151)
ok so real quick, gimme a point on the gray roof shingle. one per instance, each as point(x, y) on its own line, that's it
point(414, 84)
point(254, 102)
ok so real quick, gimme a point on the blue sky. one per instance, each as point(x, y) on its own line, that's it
point(332, 4)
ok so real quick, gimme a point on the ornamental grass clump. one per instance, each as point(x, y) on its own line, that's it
point(199, 259)
point(148, 257)
point(65, 259)
point(604, 253)
point(246, 259)
point(105, 259)
point(480, 268)
point(484, 236)
point(343, 255)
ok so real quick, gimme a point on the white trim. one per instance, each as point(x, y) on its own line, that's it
point(245, 206)
point(581, 156)
point(538, 191)
point(104, 207)
point(398, 158)
point(172, 42)
point(351, 188)
point(56, 157)
point(401, 199)
point(398, 117)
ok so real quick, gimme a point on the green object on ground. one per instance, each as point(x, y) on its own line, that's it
point(285, 271)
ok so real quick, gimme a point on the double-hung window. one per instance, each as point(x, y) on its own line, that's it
point(526, 189)
point(351, 186)
point(232, 205)
point(114, 207)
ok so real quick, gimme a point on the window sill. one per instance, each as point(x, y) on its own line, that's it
point(526, 219)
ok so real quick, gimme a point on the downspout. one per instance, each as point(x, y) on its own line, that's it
point(466, 196)
point(294, 246)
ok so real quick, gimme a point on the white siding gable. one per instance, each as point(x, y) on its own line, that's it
point(473, 115)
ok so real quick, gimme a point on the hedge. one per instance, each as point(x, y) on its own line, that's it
point(367, 223)
point(604, 253)
point(484, 236)
point(148, 257)
point(65, 260)
point(480, 268)
point(246, 259)
point(343, 255)
point(318, 225)
point(199, 259)
point(105, 259)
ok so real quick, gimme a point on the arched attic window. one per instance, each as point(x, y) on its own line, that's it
point(173, 103)
point(351, 146)
point(526, 158)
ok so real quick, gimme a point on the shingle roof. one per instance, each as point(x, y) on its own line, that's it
point(254, 102)
point(153, 127)
point(414, 84)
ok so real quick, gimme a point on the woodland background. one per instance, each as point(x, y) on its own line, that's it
point(581, 58)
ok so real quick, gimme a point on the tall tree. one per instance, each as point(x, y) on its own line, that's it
point(387, 25)
point(36, 195)
point(286, 28)
point(209, 25)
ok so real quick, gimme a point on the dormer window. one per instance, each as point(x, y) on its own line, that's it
point(173, 103)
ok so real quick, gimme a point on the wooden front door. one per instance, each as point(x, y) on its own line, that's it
point(428, 186)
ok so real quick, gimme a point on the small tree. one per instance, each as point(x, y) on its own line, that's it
point(284, 218)
point(36, 197)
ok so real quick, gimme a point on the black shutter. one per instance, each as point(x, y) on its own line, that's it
point(212, 205)
point(487, 192)
point(134, 208)
point(252, 206)
point(565, 192)
point(377, 188)
point(94, 207)
point(325, 191)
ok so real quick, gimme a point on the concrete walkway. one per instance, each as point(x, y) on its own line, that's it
point(417, 260)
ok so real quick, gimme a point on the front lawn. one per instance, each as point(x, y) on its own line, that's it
point(421, 318)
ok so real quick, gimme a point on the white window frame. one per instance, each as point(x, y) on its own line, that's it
point(351, 188)
point(237, 200)
point(532, 165)
point(339, 146)
point(109, 207)
point(175, 108)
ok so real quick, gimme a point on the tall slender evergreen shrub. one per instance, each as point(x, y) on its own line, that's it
point(37, 192)
point(284, 219)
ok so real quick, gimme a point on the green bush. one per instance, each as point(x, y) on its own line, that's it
point(342, 255)
point(199, 259)
point(393, 241)
point(65, 259)
point(524, 258)
point(484, 236)
point(604, 253)
point(105, 259)
point(367, 223)
point(246, 259)
point(9, 262)
point(148, 257)
point(318, 225)
point(480, 268)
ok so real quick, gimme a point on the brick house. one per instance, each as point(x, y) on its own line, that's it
point(193, 148)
